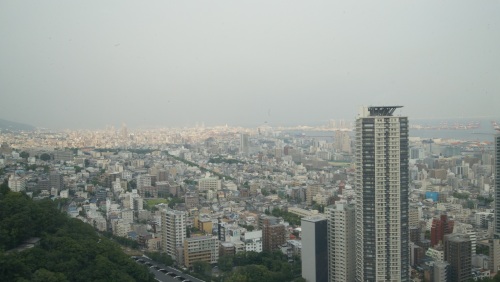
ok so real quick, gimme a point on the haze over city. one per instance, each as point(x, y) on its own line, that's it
point(90, 64)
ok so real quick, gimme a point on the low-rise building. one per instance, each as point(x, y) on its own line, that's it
point(203, 248)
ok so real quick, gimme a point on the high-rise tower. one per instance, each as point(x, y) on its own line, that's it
point(495, 242)
point(382, 243)
point(497, 186)
point(244, 149)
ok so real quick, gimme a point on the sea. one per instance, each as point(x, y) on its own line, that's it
point(480, 130)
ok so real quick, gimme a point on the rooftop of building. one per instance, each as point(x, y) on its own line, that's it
point(198, 238)
point(314, 218)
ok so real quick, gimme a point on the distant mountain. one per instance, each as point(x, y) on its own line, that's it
point(15, 126)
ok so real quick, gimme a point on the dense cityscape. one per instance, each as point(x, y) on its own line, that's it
point(363, 200)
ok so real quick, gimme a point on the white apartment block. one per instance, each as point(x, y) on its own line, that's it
point(17, 183)
point(173, 229)
point(209, 183)
point(252, 241)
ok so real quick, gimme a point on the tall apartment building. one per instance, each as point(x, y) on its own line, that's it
point(202, 248)
point(457, 252)
point(382, 175)
point(173, 229)
point(244, 144)
point(341, 242)
point(314, 248)
point(495, 242)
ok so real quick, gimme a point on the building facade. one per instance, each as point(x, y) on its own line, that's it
point(173, 229)
point(457, 252)
point(17, 183)
point(314, 248)
point(382, 175)
point(341, 242)
point(209, 183)
point(253, 241)
point(244, 144)
point(273, 236)
point(203, 248)
point(440, 227)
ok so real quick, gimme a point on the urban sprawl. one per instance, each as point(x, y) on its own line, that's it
point(356, 201)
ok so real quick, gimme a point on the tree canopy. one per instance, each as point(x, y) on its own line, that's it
point(265, 266)
point(69, 250)
point(45, 157)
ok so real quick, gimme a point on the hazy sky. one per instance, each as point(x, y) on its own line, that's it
point(88, 64)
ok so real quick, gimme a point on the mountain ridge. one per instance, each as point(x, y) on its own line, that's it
point(15, 126)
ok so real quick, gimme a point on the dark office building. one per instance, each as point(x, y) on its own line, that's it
point(458, 252)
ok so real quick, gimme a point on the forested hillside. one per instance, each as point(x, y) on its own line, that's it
point(69, 250)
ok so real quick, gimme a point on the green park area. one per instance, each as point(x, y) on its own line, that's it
point(339, 163)
point(153, 202)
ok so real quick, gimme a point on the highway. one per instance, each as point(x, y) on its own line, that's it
point(165, 273)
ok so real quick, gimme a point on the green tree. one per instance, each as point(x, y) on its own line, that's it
point(43, 275)
point(24, 155)
point(174, 201)
point(163, 258)
point(45, 157)
point(201, 267)
point(225, 263)
point(291, 218)
point(4, 188)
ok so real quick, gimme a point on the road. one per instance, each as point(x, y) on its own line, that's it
point(165, 273)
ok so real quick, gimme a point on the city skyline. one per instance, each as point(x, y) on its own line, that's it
point(87, 65)
point(376, 205)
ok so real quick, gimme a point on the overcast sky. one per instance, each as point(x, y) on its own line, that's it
point(88, 64)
